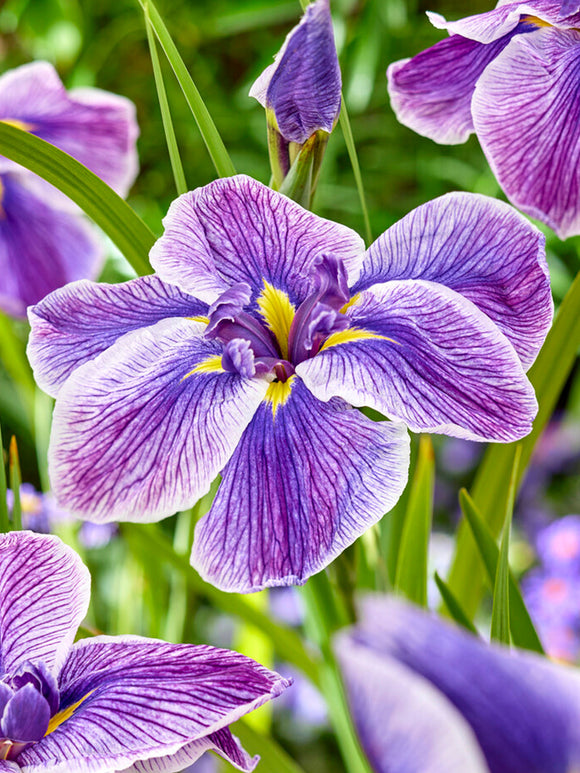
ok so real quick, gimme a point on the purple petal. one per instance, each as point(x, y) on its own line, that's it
point(481, 248)
point(526, 110)
point(431, 93)
point(137, 434)
point(524, 710)
point(144, 699)
point(238, 230)
point(41, 248)
point(404, 724)
point(95, 127)
point(78, 322)
point(306, 480)
point(44, 596)
point(441, 366)
point(26, 715)
point(303, 85)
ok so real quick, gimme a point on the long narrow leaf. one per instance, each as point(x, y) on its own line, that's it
point(4, 522)
point(548, 376)
point(411, 577)
point(109, 211)
point(453, 606)
point(15, 481)
point(500, 615)
point(213, 141)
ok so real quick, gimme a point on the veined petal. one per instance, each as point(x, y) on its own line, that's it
point(405, 725)
point(44, 596)
point(142, 430)
point(78, 322)
point(431, 93)
point(41, 248)
point(430, 358)
point(526, 110)
point(306, 480)
point(543, 736)
point(141, 699)
point(238, 230)
point(95, 127)
point(303, 85)
point(481, 248)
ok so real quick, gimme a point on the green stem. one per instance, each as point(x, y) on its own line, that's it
point(4, 521)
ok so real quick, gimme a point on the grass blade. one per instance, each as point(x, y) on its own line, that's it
point(4, 521)
point(211, 137)
point(352, 154)
point(411, 576)
point(109, 211)
point(500, 615)
point(15, 482)
point(453, 606)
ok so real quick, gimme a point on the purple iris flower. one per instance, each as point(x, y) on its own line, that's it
point(553, 600)
point(511, 76)
point(244, 354)
point(558, 545)
point(427, 696)
point(44, 240)
point(301, 89)
point(106, 704)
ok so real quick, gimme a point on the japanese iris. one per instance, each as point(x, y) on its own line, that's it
point(44, 240)
point(510, 75)
point(106, 704)
point(244, 355)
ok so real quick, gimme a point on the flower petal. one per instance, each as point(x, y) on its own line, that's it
point(44, 597)
point(95, 127)
point(526, 110)
point(78, 322)
point(306, 480)
point(431, 93)
point(303, 85)
point(430, 358)
point(404, 724)
point(41, 248)
point(141, 431)
point(141, 699)
point(238, 230)
point(543, 736)
point(481, 248)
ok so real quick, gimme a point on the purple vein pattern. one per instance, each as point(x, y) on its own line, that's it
point(106, 704)
point(510, 75)
point(426, 696)
point(247, 353)
point(44, 240)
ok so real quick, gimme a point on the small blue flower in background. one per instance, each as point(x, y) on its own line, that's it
point(426, 696)
point(510, 76)
point(106, 704)
point(244, 355)
point(45, 242)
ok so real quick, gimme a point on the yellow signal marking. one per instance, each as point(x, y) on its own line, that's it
point(278, 313)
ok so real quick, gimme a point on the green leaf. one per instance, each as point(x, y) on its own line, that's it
point(500, 615)
point(214, 143)
point(522, 629)
point(4, 521)
point(352, 154)
point(548, 376)
point(15, 481)
point(411, 577)
point(150, 544)
point(453, 606)
point(272, 757)
point(109, 211)
point(174, 157)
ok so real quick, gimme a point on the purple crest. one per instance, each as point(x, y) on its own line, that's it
point(44, 240)
point(510, 75)
point(245, 355)
point(106, 703)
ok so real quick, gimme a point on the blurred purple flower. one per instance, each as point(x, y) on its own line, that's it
point(44, 240)
point(510, 75)
point(426, 696)
point(558, 546)
point(157, 392)
point(105, 704)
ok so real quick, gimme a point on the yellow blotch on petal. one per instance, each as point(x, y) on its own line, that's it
point(278, 393)
point(353, 334)
point(210, 365)
point(67, 713)
point(535, 21)
point(204, 320)
point(278, 313)
point(353, 301)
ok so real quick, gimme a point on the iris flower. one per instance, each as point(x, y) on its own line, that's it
point(428, 697)
point(510, 75)
point(244, 355)
point(44, 240)
point(107, 703)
